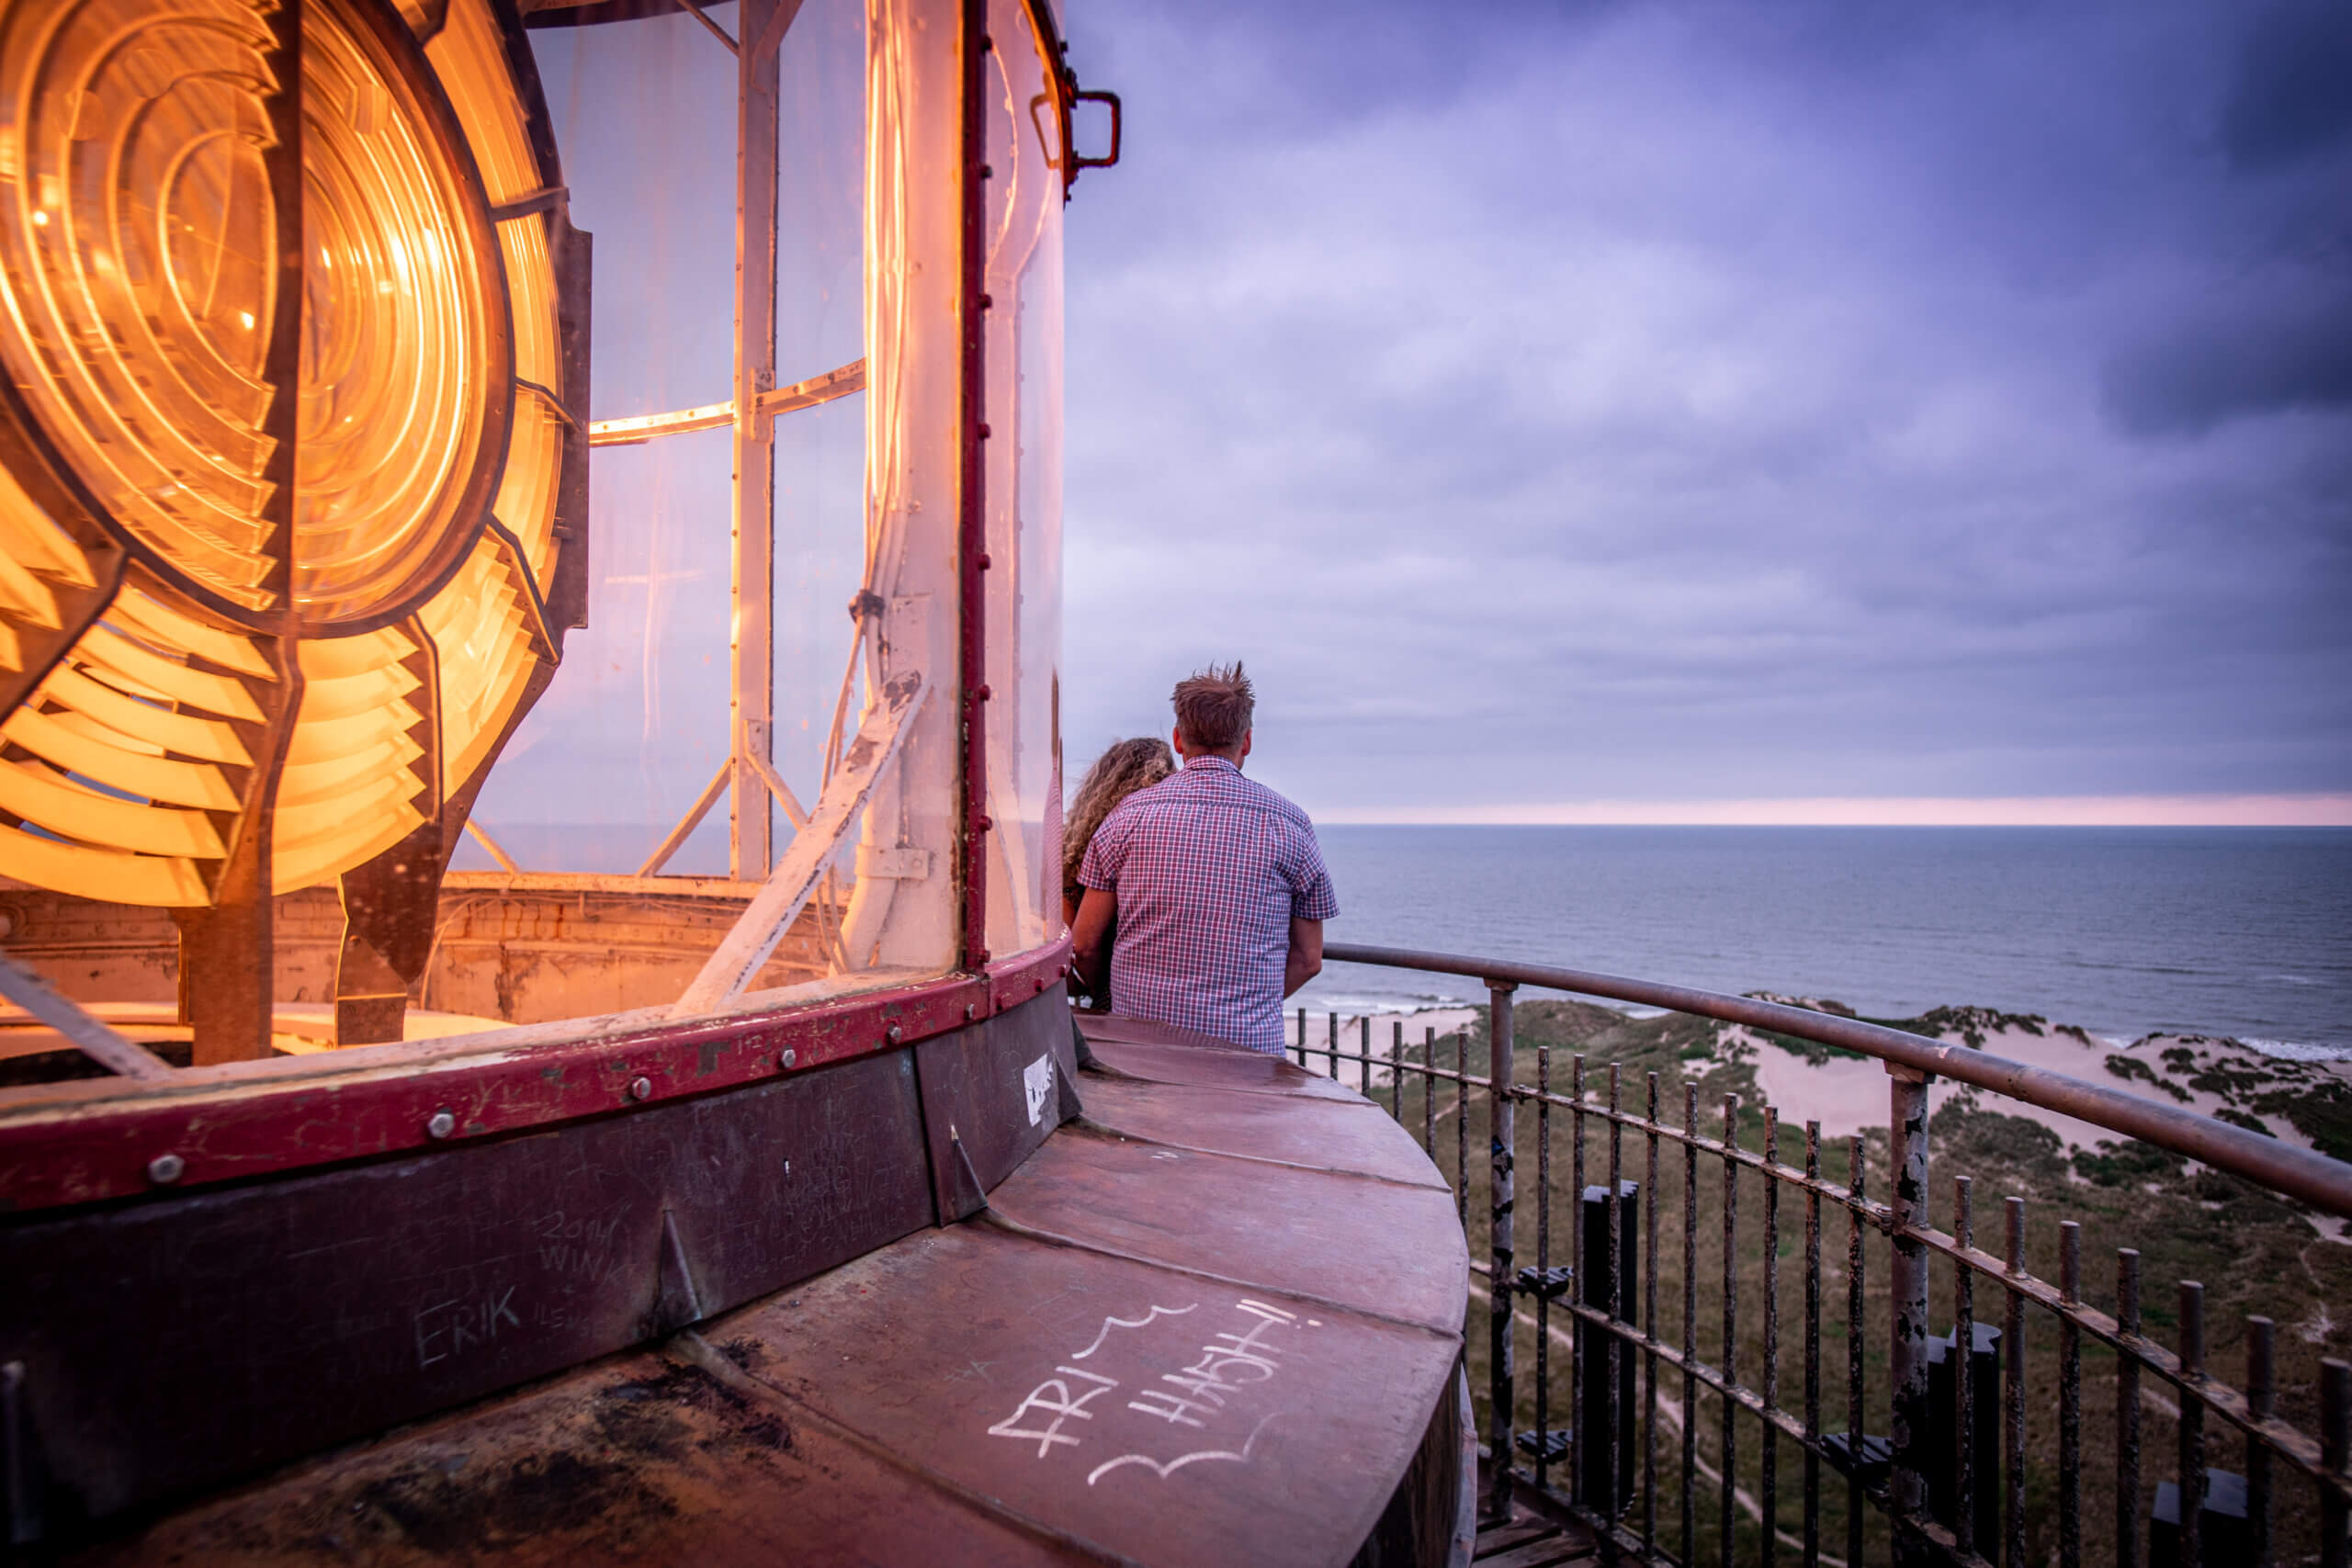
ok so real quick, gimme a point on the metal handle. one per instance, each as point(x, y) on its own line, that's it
point(1078, 161)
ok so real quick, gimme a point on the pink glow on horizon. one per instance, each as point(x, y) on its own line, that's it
point(2315, 810)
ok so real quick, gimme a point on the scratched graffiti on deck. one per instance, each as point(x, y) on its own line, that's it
point(1195, 1395)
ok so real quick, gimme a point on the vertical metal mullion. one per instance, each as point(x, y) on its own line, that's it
point(1769, 1452)
point(1500, 1240)
point(1963, 1365)
point(971, 631)
point(2261, 1402)
point(1690, 1321)
point(1812, 1345)
point(2192, 1428)
point(1302, 1037)
point(227, 948)
point(2013, 1369)
point(752, 702)
point(1857, 1174)
point(2070, 1398)
point(1727, 1449)
point(1649, 1330)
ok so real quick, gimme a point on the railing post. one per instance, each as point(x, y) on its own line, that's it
point(1907, 1291)
point(1498, 1364)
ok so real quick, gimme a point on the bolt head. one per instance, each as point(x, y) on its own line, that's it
point(1043, 982)
point(165, 1169)
point(788, 1058)
point(971, 1012)
point(440, 1124)
point(639, 1087)
point(896, 1034)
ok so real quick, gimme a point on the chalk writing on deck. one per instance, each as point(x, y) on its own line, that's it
point(1208, 1387)
point(1053, 1397)
point(1181, 1461)
point(1146, 1321)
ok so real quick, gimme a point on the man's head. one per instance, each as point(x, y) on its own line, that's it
point(1213, 709)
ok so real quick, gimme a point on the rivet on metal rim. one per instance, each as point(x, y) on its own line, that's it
point(971, 1012)
point(639, 1087)
point(1043, 982)
point(440, 1124)
point(788, 1058)
point(895, 1033)
point(165, 1169)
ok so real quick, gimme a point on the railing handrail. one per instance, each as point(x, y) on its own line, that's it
point(2285, 1167)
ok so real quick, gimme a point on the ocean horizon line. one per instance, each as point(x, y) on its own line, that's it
point(2311, 809)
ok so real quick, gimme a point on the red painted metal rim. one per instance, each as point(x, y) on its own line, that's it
point(93, 1140)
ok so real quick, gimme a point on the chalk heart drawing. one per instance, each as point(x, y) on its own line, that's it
point(1238, 1362)
point(1037, 1077)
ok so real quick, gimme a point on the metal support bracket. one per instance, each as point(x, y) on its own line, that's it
point(103, 1045)
point(771, 913)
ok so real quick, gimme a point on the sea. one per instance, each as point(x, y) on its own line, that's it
point(2238, 931)
point(2124, 931)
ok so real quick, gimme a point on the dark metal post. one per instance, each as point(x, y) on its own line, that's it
point(1396, 1070)
point(2127, 1407)
point(2013, 1415)
point(2336, 1458)
point(2192, 1424)
point(1604, 1452)
point(2070, 1398)
point(1499, 1347)
point(1857, 1174)
point(1907, 1291)
point(2261, 1396)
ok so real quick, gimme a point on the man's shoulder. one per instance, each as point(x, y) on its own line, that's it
point(1274, 801)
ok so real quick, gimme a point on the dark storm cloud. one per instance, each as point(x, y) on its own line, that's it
point(2292, 95)
point(1691, 401)
point(2193, 378)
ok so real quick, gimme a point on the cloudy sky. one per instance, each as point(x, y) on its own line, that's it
point(1688, 411)
point(1584, 411)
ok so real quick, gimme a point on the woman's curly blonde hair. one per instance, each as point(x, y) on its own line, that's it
point(1124, 767)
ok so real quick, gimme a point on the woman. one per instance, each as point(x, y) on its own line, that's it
point(1123, 768)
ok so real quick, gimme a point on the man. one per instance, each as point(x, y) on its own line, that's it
point(1215, 881)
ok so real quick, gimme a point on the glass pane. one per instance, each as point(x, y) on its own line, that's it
point(1024, 485)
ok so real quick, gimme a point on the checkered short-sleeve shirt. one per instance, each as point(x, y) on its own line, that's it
point(1210, 868)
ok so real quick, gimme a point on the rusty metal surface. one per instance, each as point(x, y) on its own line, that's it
point(1295, 1130)
point(94, 1139)
point(975, 1394)
point(1154, 1414)
point(643, 1459)
point(175, 1344)
point(991, 1095)
point(1161, 1052)
point(1389, 1250)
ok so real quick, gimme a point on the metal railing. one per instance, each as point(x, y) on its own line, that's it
point(1955, 1478)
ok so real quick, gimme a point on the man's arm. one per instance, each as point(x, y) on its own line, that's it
point(1306, 960)
point(1095, 913)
